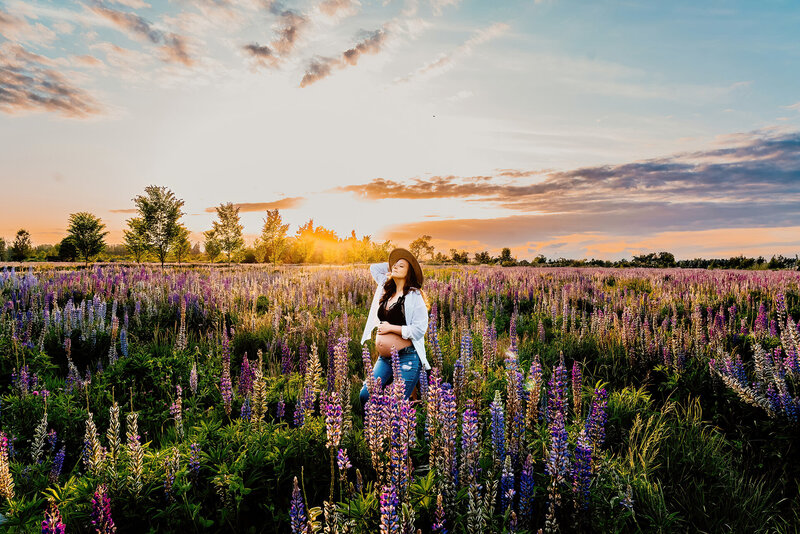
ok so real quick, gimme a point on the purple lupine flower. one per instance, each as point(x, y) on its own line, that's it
point(439, 522)
point(287, 364)
point(576, 389)
point(526, 488)
point(423, 384)
point(596, 420)
point(557, 465)
point(507, 485)
point(343, 463)
point(333, 420)
point(171, 466)
point(280, 410)
point(58, 463)
point(101, 512)
point(369, 379)
point(498, 427)
point(225, 386)
point(194, 461)
point(299, 412)
point(297, 512)
point(193, 378)
point(52, 437)
point(52, 523)
point(123, 341)
point(246, 376)
point(246, 411)
point(399, 443)
point(790, 406)
point(627, 500)
point(772, 397)
point(512, 333)
point(302, 356)
point(470, 446)
point(390, 511)
point(582, 471)
point(176, 411)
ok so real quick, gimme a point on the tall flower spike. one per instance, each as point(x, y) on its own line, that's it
point(135, 453)
point(498, 427)
point(576, 389)
point(6, 482)
point(297, 512)
point(193, 378)
point(52, 523)
point(333, 420)
point(225, 386)
point(101, 512)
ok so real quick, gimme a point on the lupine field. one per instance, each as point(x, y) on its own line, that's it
point(211, 399)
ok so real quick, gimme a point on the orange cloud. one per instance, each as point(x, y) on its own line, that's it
point(282, 204)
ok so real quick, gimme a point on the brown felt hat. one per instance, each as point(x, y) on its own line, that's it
point(401, 253)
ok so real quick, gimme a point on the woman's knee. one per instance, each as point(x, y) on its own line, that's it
point(364, 395)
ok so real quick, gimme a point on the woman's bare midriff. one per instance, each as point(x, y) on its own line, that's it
point(384, 342)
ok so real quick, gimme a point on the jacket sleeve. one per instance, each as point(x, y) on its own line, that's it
point(379, 271)
point(417, 319)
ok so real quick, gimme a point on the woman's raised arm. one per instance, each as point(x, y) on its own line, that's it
point(379, 271)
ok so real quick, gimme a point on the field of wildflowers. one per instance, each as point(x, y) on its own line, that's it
point(212, 399)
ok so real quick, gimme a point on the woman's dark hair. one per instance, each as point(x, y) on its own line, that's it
point(389, 287)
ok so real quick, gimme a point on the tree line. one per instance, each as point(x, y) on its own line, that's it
point(155, 233)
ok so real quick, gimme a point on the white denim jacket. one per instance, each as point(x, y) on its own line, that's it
point(414, 308)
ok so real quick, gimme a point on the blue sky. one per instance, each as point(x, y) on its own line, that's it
point(573, 129)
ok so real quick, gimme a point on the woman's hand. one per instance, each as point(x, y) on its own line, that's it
point(387, 328)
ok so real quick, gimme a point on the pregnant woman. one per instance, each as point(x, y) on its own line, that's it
point(401, 316)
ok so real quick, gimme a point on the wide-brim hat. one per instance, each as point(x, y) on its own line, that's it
point(401, 253)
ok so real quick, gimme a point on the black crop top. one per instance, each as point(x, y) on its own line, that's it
point(393, 315)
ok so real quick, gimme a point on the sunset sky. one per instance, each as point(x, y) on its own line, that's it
point(571, 129)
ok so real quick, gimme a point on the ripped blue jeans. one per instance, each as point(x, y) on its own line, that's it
point(409, 371)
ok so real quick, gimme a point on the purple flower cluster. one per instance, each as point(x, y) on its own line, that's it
point(58, 463)
point(280, 409)
point(297, 512)
point(333, 420)
point(582, 471)
point(101, 512)
point(470, 446)
point(390, 511)
point(498, 427)
point(246, 376)
point(52, 523)
point(596, 420)
point(194, 461)
point(225, 386)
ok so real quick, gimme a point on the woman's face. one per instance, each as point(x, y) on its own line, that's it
point(400, 269)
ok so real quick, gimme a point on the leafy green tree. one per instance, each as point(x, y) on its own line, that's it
point(86, 233)
point(483, 257)
point(506, 260)
point(228, 229)
point(2, 249)
point(21, 248)
point(67, 250)
point(159, 210)
point(422, 245)
point(459, 256)
point(181, 246)
point(135, 239)
point(213, 249)
point(272, 242)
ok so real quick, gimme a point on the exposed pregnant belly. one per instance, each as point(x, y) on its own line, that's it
point(384, 342)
